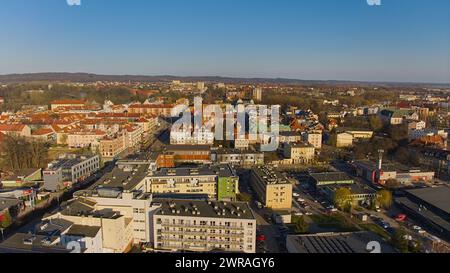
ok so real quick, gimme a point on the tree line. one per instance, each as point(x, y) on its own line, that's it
point(21, 153)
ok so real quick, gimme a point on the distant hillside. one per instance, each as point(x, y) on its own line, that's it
point(86, 77)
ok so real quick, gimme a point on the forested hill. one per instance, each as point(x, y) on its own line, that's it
point(86, 77)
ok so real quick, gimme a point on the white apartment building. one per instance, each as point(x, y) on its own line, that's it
point(315, 139)
point(193, 225)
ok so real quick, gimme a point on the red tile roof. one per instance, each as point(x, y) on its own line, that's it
point(68, 102)
point(11, 127)
point(43, 131)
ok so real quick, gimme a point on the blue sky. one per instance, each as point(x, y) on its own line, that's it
point(401, 40)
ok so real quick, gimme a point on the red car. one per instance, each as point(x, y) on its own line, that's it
point(261, 238)
point(400, 218)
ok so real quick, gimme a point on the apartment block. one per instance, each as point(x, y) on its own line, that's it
point(201, 180)
point(272, 188)
point(201, 226)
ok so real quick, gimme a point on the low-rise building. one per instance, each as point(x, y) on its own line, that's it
point(243, 158)
point(21, 178)
point(335, 243)
point(330, 178)
point(342, 140)
point(92, 223)
point(430, 207)
point(54, 105)
point(198, 154)
point(45, 135)
point(404, 175)
point(300, 153)
point(16, 130)
point(69, 170)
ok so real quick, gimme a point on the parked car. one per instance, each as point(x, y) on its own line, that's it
point(295, 194)
point(400, 218)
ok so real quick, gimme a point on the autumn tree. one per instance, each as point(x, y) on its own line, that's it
point(343, 199)
point(384, 199)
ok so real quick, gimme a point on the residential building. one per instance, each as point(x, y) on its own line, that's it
point(289, 137)
point(54, 105)
point(15, 130)
point(257, 94)
point(315, 139)
point(202, 226)
point(160, 110)
point(342, 140)
point(85, 138)
point(201, 180)
point(112, 146)
point(300, 153)
point(235, 157)
point(272, 188)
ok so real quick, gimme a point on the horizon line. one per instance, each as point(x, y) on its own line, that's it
point(234, 77)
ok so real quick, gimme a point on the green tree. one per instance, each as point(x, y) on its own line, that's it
point(399, 241)
point(384, 198)
point(300, 225)
point(343, 199)
point(376, 123)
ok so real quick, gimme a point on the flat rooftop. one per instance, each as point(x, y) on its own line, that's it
point(203, 208)
point(428, 214)
point(270, 175)
point(6, 203)
point(182, 171)
point(331, 176)
point(354, 188)
point(83, 231)
point(387, 166)
point(66, 163)
point(125, 177)
point(235, 151)
point(175, 148)
point(27, 243)
point(84, 207)
point(438, 197)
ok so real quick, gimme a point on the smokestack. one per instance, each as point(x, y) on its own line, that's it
point(380, 159)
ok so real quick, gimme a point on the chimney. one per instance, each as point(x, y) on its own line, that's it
point(380, 159)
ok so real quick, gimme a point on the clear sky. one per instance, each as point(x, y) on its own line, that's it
point(401, 40)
